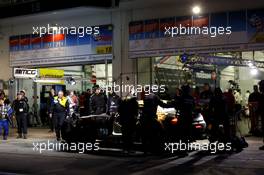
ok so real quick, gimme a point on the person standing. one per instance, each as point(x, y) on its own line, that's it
point(238, 100)
point(23, 93)
point(82, 104)
point(50, 103)
point(98, 103)
point(187, 104)
point(196, 95)
point(207, 93)
point(20, 107)
point(261, 108)
point(165, 95)
point(176, 98)
point(59, 111)
point(113, 103)
point(238, 97)
point(73, 102)
point(205, 98)
point(253, 102)
point(10, 112)
point(230, 102)
point(5, 114)
point(87, 102)
point(246, 97)
point(128, 111)
point(35, 112)
point(151, 128)
point(219, 116)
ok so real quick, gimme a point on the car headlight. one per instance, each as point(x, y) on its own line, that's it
point(174, 121)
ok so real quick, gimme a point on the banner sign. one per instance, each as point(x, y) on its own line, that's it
point(222, 32)
point(25, 73)
point(53, 49)
point(51, 73)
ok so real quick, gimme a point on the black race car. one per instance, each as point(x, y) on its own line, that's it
point(104, 127)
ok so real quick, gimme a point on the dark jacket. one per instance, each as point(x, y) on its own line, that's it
point(128, 111)
point(20, 106)
point(60, 107)
point(254, 97)
point(87, 103)
point(186, 107)
point(113, 103)
point(218, 109)
point(206, 95)
point(261, 108)
point(98, 104)
point(50, 103)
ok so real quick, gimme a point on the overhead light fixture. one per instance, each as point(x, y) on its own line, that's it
point(250, 64)
point(71, 81)
point(254, 71)
point(196, 10)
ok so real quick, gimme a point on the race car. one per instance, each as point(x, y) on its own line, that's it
point(102, 127)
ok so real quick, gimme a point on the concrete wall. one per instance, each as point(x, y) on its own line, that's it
point(5, 70)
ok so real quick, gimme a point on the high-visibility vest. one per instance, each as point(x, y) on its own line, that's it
point(61, 101)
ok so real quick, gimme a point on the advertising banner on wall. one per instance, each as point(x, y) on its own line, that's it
point(60, 48)
point(217, 32)
point(51, 73)
point(50, 76)
point(25, 73)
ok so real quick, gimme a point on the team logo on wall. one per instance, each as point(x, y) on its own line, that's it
point(25, 73)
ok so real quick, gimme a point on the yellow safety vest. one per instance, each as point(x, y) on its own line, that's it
point(62, 101)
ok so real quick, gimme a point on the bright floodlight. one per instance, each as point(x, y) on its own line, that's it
point(250, 64)
point(254, 71)
point(196, 10)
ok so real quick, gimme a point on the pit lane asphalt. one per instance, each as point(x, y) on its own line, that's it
point(17, 157)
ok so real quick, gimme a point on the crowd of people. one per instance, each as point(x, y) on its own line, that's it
point(217, 108)
point(60, 106)
point(92, 102)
